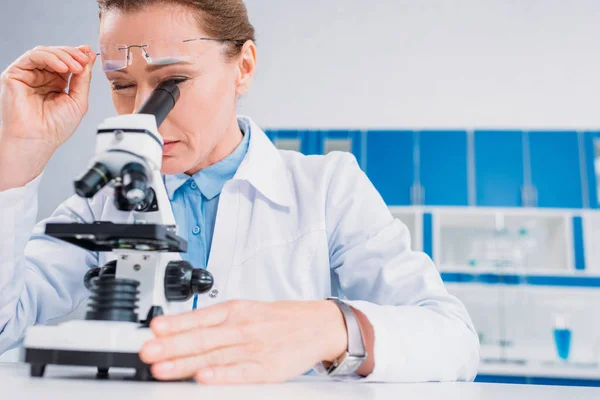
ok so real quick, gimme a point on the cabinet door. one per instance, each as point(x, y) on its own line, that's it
point(555, 168)
point(443, 167)
point(390, 164)
point(305, 142)
point(499, 168)
point(592, 167)
point(349, 141)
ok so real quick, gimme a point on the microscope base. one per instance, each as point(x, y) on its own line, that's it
point(101, 344)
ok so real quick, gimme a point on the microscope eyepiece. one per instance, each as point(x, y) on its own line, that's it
point(92, 181)
point(161, 101)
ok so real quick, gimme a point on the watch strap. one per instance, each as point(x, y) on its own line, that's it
point(356, 345)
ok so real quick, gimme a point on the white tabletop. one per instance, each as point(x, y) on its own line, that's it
point(69, 383)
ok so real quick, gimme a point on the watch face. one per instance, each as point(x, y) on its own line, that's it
point(350, 365)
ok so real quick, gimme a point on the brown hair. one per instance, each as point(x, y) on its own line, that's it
point(220, 19)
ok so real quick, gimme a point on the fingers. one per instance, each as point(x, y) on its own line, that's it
point(201, 318)
point(54, 59)
point(189, 343)
point(187, 367)
point(233, 374)
point(79, 88)
point(50, 66)
point(87, 51)
point(75, 66)
point(43, 81)
point(39, 70)
point(78, 54)
point(40, 59)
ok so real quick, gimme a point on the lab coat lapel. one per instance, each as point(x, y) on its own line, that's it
point(223, 245)
point(262, 170)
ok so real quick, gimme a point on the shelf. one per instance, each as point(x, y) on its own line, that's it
point(591, 235)
point(400, 211)
point(517, 302)
point(465, 269)
point(516, 211)
point(545, 369)
point(516, 326)
point(503, 239)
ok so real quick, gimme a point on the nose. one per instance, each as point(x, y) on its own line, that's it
point(142, 95)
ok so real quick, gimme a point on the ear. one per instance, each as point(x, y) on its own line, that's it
point(246, 65)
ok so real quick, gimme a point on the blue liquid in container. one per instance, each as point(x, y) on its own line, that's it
point(562, 339)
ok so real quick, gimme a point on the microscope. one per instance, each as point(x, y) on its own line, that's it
point(148, 277)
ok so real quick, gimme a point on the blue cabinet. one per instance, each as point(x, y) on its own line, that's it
point(591, 143)
point(390, 164)
point(555, 168)
point(443, 167)
point(339, 140)
point(510, 168)
point(499, 168)
point(305, 142)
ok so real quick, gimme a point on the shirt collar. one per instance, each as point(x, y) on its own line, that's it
point(211, 180)
point(260, 164)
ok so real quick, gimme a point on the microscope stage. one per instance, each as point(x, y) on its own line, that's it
point(107, 236)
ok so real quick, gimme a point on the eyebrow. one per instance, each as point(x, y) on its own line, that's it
point(156, 67)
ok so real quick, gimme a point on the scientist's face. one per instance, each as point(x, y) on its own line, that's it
point(203, 124)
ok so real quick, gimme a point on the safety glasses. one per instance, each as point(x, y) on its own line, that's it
point(115, 57)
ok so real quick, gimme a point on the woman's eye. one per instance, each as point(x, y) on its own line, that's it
point(177, 79)
point(117, 86)
point(124, 86)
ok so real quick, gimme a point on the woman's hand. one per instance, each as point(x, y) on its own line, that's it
point(39, 109)
point(246, 341)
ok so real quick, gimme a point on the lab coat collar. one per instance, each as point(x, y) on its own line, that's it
point(263, 167)
point(210, 180)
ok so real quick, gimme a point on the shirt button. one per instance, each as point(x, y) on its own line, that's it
point(213, 293)
point(196, 230)
point(193, 185)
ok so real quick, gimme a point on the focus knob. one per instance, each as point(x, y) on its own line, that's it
point(182, 281)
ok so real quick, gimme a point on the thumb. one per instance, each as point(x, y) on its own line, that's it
point(79, 86)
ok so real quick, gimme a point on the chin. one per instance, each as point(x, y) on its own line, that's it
point(172, 166)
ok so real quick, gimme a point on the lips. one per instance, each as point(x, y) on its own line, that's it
point(169, 146)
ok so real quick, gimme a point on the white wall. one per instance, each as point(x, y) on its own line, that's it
point(366, 63)
point(27, 23)
point(411, 63)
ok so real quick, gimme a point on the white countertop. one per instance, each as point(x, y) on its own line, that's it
point(80, 383)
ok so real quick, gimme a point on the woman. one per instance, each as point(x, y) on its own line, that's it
point(290, 230)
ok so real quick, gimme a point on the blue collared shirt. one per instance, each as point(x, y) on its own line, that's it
point(195, 200)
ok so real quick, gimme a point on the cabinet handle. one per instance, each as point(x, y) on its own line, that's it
point(417, 194)
point(529, 195)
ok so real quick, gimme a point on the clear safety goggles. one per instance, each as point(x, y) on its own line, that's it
point(115, 57)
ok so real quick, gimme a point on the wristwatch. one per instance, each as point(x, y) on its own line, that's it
point(349, 362)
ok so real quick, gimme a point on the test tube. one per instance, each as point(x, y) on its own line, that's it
point(562, 337)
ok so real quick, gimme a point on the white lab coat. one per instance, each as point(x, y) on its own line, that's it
point(288, 227)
